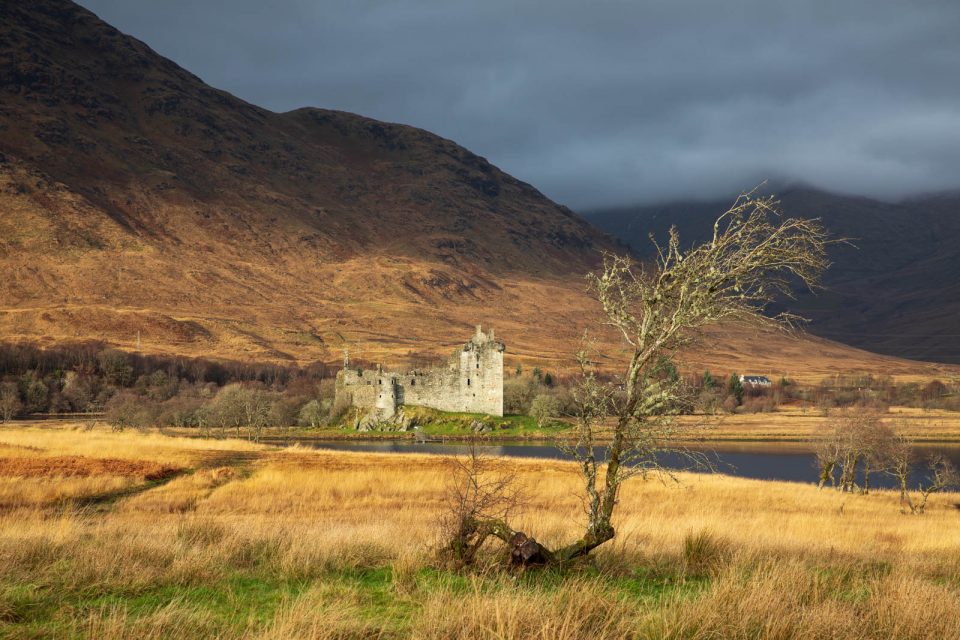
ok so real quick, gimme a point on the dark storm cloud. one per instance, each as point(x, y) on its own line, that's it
point(608, 102)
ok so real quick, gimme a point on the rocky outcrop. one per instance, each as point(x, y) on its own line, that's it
point(374, 421)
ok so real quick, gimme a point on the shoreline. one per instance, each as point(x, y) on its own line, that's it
point(780, 427)
point(365, 437)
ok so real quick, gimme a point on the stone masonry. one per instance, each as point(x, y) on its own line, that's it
point(472, 382)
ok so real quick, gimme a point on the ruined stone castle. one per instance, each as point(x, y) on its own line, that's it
point(472, 382)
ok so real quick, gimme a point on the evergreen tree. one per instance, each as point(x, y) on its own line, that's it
point(708, 380)
point(665, 369)
point(736, 388)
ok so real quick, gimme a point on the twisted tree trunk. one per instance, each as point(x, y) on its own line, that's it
point(524, 550)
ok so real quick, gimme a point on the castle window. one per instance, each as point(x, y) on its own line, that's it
point(379, 381)
point(468, 382)
point(478, 365)
point(413, 382)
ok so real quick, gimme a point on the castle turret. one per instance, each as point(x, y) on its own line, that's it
point(481, 374)
point(386, 390)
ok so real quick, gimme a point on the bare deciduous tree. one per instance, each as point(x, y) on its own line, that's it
point(942, 475)
point(237, 406)
point(853, 441)
point(901, 459)
point(481, 497)
point(10, 404)
point(753, 255)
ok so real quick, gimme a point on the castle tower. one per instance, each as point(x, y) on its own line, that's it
point(386, 390)
point(481, 374)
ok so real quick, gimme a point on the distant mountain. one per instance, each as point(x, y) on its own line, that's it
point(141, 207)
point(894, 289)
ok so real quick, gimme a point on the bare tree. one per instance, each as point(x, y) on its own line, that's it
point(851, 442)
point(829, 450)
point(126, 409)
point(482, 495)
point(942, 475)
point(237, 406)
point(753, 255)
point(901, 460)
point(879, 439)
point(10, 404)
point(227, 408)
point(256, 410)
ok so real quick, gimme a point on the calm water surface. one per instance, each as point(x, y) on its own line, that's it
point(793, 462)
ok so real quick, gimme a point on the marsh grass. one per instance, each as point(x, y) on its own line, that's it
point(307, 544)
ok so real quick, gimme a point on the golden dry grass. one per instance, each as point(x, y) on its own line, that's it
point(795, 423)
point(76, 439)
point(299, 543)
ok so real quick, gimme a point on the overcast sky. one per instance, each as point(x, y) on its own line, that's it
point(607, 102)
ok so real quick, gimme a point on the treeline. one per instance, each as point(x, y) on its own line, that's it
point(542, 394)
point(138, 390)
point(881, 392)
point(834, 393)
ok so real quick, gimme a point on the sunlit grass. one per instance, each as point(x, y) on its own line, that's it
point(253, 542)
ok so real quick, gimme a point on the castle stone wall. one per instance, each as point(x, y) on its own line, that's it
point(472, 382)
point(371, 389)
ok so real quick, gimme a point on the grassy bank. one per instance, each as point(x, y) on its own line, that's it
point(156, 537)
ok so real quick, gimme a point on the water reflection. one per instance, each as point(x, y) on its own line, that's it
point(793, 462)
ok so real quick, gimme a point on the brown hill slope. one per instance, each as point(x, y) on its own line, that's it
point(140, 206)
point(894, 289)
point(128, 182)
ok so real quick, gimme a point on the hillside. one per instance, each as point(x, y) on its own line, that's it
point(142, 207)
point(894, 288)
point(127, 182)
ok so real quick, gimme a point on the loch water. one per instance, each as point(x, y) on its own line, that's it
point(786, 461)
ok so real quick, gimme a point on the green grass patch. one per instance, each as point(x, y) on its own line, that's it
point(235, 599)
point(443, 424)
point(235, 602)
